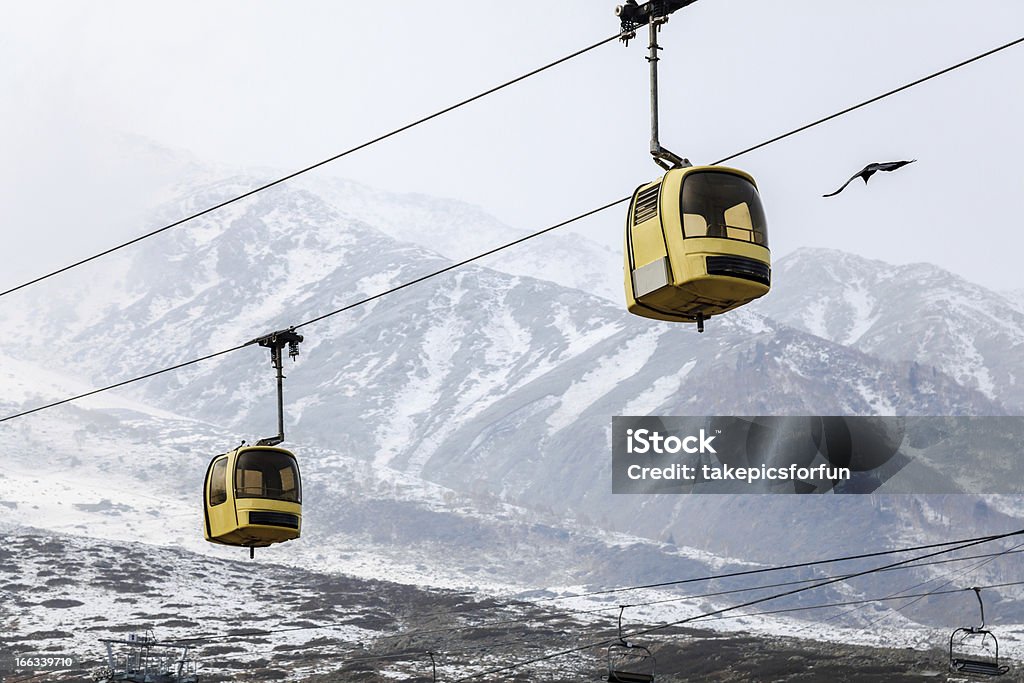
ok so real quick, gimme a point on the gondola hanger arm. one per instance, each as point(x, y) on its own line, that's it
point(653, 14)
point(276, 341)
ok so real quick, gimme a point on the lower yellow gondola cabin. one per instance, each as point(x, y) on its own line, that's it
point(253, 497)
point(696, 245)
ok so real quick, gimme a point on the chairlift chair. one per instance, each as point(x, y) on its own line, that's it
point(624, 659)
point(971, 663)
point(628, 663)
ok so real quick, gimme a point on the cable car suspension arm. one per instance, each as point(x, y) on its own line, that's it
point(654, 14)
point(276, 341)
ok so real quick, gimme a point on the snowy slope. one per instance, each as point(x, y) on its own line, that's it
point(433, 381)
point(457, 231)
point(917, 312)
point(454, 435)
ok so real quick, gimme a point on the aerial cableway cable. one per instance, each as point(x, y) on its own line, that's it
point(903, 594)
point(474, 258)
point(872, 100)
point(937, 589)
point(796, 565)
point(294, 174)
point(912, 563)
point(347, 307)
point(725, 610)
point(484, 94)
point(868, 601)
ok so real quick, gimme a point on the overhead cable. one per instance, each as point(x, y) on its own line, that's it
point(474, 98)
point(469, 260)
point(725, 610)
point(306, 169)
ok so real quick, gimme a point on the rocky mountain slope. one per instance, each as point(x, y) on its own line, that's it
point(917, 313)
point(458, 432)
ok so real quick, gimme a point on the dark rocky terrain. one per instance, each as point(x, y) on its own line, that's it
point(254, 621)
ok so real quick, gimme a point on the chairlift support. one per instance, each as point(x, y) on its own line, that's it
point(972, 665)
point(628, 663)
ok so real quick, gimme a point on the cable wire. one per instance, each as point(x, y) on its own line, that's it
point(762, 570)
point(795, 582)
point(866, 601)
point(124, 382)
point(459, 264)
point(959, 574)
point(725, 610)
point(479, 96)
point(311, 167)
point(320, 317)
point(872, 100)
point(901, 594)
point(259, 633)
point(448, 268)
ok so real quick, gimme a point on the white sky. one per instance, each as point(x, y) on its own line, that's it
point(254, 84)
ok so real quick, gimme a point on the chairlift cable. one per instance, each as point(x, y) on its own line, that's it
point(986, 560)
point(725, 610)
point(959, 574)
point(863, 602)
point(256, 633)
point(905, 565)
point(763, 570)
point(796, 582)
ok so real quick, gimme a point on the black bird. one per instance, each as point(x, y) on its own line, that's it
point(870, 170)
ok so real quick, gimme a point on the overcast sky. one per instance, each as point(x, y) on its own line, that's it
point(257, 85)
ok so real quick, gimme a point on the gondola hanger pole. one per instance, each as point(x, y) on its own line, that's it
point(662, 156)
point(981, 606)
point(653, 13)
point(275, 356)
point(276, 341)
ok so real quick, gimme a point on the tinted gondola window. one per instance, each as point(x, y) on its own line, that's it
point(219, 482)
point(716, 204)
point(267, 474)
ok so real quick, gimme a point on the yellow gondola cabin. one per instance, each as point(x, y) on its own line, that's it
point(253, 497)
point(696, 245)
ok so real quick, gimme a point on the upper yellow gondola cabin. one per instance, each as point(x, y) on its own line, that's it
point(253, 497)
point(696, 245)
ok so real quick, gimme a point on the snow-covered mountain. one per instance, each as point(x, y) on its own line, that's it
point(917, 312)
point(457, 433)
point(457, 231)
point(431, 381)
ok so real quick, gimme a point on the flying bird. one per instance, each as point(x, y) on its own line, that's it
point(870, 170)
